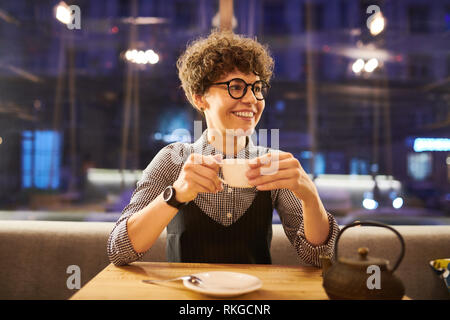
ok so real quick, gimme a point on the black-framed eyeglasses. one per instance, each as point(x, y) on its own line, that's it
point(237, 88)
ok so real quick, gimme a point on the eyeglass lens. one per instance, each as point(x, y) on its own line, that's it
point(237, 89)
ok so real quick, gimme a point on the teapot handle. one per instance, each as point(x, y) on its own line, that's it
point(375, 224)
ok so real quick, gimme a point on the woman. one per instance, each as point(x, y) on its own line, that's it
point(225, 77)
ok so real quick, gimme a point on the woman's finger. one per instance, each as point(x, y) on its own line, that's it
point(278, 184)
point(207, 161)
point(199, 188)
point(209, 174)
point(206, 166)
point(207, 183)
point(267, 158)
point(272, 167)
point(292, 174)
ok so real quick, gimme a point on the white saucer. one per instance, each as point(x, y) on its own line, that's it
point(224, 283)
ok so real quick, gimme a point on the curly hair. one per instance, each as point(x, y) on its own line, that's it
point(208, 59)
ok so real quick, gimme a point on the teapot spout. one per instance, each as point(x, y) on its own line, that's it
point(326, 263)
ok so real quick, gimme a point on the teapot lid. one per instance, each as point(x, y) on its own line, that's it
point(363, 261)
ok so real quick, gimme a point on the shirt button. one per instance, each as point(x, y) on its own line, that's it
point(229, 215)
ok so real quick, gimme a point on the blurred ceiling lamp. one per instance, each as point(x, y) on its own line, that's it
point(397, 203)
point(142, 57)
point(358, 65)
point(144, 20)
point(364, 52)
point(98, 176)
point(356, 183)
point(377, 24)
point(431, 144)
point(63, 12)
point(370, 204)
point(369, 201)
point(371, 65)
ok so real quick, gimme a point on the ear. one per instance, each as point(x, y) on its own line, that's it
point(199, 101)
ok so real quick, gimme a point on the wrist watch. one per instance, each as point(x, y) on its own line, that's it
point(169, 198)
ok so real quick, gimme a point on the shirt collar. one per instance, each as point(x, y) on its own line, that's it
point(204, 147)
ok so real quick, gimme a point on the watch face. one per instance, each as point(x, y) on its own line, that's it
point(167, 193)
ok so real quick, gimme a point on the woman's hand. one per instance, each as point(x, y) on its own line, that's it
point(281, 170)
point(199, 174)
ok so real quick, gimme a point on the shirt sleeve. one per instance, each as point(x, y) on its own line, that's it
point(162, 171)
point(289, 208)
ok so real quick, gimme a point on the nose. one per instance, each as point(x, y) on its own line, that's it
point(249, 96)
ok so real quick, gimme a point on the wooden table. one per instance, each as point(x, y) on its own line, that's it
point(123, 283)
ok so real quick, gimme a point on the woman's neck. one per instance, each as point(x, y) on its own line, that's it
point(227, 144)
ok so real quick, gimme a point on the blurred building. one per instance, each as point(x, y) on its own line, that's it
point(366, 121)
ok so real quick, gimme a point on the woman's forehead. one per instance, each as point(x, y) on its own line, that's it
point(247, 77)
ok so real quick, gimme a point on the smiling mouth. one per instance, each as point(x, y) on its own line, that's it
point(244, 115)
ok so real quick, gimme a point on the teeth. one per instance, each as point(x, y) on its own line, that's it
point(244, 114)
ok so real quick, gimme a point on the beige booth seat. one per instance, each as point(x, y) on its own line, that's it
point(35, 255)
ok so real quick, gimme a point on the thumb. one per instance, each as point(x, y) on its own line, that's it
point(218, 158)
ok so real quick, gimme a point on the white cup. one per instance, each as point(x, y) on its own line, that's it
point(234, 172)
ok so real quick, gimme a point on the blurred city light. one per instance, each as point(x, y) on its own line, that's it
point(158, 136)
point(431, 144)
point(41, 158)
point(371, 65)
point(100, 176)
point(370, 204)
point(357, 182)
point(144, 20)
point(179, 136)
point(142, 57)
point(63, 12)
point(358, 65)
point(377, 24)
point(397, 203)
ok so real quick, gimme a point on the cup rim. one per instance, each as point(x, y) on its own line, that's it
point(235, 161)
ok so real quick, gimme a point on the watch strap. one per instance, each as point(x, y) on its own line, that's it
point(172, 201)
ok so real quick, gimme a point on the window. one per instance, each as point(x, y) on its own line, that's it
point(359, 166)
point(344, 14)
point(447, 18)
point(274, 20)
point(41, 159)
point(316, 18)
point(418, 18)
point(124, 8)
point(419, 165)
point(124, 111)
point(335, 163)
point(419, 66)
point(279, 69)
point(317, 66)
point(319, 162)
point(185, 14)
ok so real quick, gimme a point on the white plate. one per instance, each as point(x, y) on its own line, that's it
point(224, 283)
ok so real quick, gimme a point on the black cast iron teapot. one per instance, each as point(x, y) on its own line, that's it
point(362, 277)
